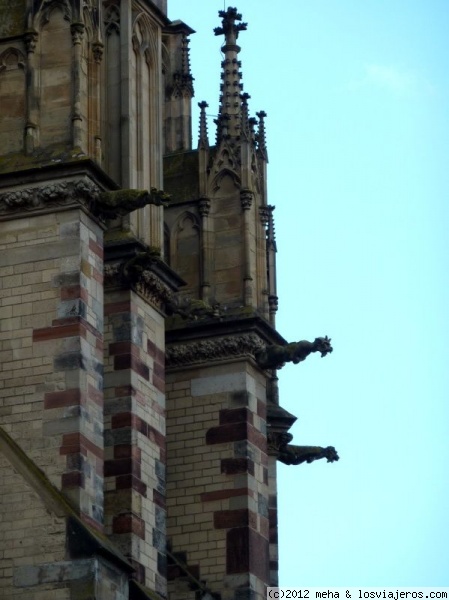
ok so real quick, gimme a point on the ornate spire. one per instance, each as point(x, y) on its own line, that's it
point(229, 118)
point(203, 140)
point(183, 80)
point(261, 141)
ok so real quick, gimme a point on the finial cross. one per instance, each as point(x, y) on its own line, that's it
point(230, 28)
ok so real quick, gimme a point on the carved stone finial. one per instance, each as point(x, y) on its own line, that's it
point(203, 139)
point(275, 357)
point(230, 28)
point(183, 80)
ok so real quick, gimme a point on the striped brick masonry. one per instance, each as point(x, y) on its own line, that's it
point(217, 480)
point(135, 415)
point(53, 299)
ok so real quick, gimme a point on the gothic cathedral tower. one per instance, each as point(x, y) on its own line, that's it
point(139, 418)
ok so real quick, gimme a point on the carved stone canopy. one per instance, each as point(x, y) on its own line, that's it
point(131, 264)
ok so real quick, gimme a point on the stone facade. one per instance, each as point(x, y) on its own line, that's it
point(139, 429)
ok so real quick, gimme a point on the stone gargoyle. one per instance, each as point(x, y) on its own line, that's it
point(295, 455)
point(119, 203)
point(275, 357)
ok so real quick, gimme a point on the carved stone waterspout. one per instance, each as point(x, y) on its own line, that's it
point(289, 454)
point(275, 357)
point(295, 455)
point(121, 202)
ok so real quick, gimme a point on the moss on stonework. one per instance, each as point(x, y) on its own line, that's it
point(118, 197)
point(153, 251)
point(12, 17)
point(183, 320)
point(118, 235)
point(244, 311)
point(51, 155)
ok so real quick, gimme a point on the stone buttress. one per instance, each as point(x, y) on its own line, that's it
point(219, 237)
point(82, 431)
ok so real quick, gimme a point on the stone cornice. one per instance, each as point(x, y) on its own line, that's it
point(213, 349)
point(58, 193)
point(30, 188)
point(215, 339)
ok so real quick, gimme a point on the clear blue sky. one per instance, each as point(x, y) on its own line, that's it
point(357, 96)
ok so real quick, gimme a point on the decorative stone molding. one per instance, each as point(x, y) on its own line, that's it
point(105, 205)
point(136, 273)
point(112, 274)
point(112, 19)
point(264, 213)
point(46, 7)
point(97, 51)
point(18, 61)
point(31, 41)
point(153, 289)
point(77, 30)
point(204, 206)
point(246, 199)
point(213, 349)
point(273, 304)
point(83, 191)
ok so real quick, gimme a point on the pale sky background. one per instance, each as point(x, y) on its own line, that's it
point(357, 96)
